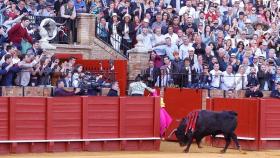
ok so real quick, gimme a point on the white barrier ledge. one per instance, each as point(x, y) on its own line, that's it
point(241, 138)
point(77, 140)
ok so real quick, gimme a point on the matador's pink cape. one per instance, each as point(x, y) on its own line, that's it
point(165, 119)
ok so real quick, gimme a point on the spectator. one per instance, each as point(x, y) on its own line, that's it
point(21, 7)
point(228, 81)
point(189, 74)
point(35, 49)
point(77, 75)
point(19, 32)
point(146, 37)
point(47, 10)
point(264, 77)
point(67, 79)
point(216, 76)
point(230, 93)
point(205, 78)
point(167, 49)
point(23, 78)
point(11, 70)
point(253, 91)
point(62, 92)
point(151, 74)
point(137, 87)
point(127, 32)
point(241, 78)
point(3, 35)
point(80, 6)
point(276, 93)
point(184, 48)
point(114, 90)
point(57, 6)
point(68, 10)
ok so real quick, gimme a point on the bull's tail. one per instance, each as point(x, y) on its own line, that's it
point(232, 113)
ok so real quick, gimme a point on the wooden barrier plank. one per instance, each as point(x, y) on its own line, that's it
point(269, 124)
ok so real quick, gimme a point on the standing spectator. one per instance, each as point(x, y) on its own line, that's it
point(228, 81)
point(68, 79)
point(3, 35)
point(205, 78)
point(252, 77)
point(115, 38)
point(35, 49)
point(253, 91)
point(240, 79)
point(80, 6)
point(103, 30)
point(126, 30)
point(189, 74)
point(146, 37)
point(19, 32)
point(207, 58)
point(173, 36)
point(264, 77)
point(151, 74)
point(216, 76)
point(10, 71)
point(23, 78)
point(68, 10)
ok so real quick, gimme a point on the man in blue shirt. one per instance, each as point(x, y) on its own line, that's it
point(80, 6)
point(168, 49)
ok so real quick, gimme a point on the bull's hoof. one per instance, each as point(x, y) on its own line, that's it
point(186, 151)
point(223, 151)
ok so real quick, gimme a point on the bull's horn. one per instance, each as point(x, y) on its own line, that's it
point(174, 130)
point(59, 24)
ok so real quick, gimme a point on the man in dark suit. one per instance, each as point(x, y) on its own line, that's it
point(151, 74)
point(35, 49)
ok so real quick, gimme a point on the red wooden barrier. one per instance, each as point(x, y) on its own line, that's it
point(179, 102)
point(78, 124)
point(248, 116)
point(120, 71)
point(270, 124)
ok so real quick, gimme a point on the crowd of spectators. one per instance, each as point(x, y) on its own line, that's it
point(215, 44)
point(22, 61)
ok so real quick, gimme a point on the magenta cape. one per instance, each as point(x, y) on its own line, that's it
point(165, 121)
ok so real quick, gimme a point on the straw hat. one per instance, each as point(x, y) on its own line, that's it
point(127, 15)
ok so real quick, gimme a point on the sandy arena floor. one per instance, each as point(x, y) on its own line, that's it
point(168, 150)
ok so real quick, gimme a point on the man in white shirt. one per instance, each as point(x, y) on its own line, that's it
point(228, 81)
point(146, 37)
point(216, 76)
point(187, 9)
point(184, 48)
point(173, 36)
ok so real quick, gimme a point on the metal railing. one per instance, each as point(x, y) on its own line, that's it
point(68, 33)
point(200, 81)
point(113, 41)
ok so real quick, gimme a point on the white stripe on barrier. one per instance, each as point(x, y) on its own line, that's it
point(77, 140)
point(241, 138)
point(270, 138)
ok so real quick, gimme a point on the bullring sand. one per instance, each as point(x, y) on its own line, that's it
point(167, 150)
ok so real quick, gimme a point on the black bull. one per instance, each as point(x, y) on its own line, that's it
point(208, 123)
